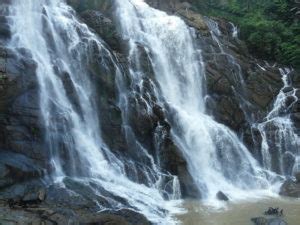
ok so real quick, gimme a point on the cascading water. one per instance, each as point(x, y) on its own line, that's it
point(237, 70)
point(235, 30)
point(280, 142)
point(279, 146)
point(216, 158)
point(63, 49)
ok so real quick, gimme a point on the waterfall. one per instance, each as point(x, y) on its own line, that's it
point(280, 143)
point(217, 159)
point(63, 49)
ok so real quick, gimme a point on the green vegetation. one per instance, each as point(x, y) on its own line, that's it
point(270, 27)
point(82, 5)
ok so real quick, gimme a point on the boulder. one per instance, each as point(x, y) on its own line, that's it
point(290, 188)
point(260, 221)
point(222, 197)
point(265, 221)
point(287, 89)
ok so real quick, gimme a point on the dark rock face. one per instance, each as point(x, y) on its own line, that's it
point(74, 203)
point(222, 197)
point(297, 175)
point(15, 168)
point(21, 146)
point(104, 27)
point(290, 188)
point(173, 161)
point(237, 87)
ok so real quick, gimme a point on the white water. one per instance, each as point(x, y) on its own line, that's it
point(237, 70)
point(216, 158)
point(283, 144)
point(280, 143)
point(63, 48)
point(235, 30)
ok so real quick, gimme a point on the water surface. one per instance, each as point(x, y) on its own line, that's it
point(239, 213)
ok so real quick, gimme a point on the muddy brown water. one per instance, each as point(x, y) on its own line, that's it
point(238, 213)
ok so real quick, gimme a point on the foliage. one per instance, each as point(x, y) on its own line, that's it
point(269, 27)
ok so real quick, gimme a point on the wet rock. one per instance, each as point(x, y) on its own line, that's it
point(290, 188)
point(222, 197)
point(165, 5)
point(295, 117)
point(262, 87)
point(260, 221)
point(174, 162)
point(288, 162)
point(45, 214)
point(295, 75)
point(265, 221)
point(16, 168)
point(193, 19)
point(296, 107)
point(287, 89)
point(124, 216)
point(297, 176)
point(5, 31)
point(104, 27)
point(276, 221)
point(289, 101)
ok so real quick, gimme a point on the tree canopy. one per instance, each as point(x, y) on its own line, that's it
point(269, 27)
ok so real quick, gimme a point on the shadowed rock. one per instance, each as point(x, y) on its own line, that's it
point(290, 188)
point(222, 197)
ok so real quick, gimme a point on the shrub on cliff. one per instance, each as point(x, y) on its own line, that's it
point(269, 27)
